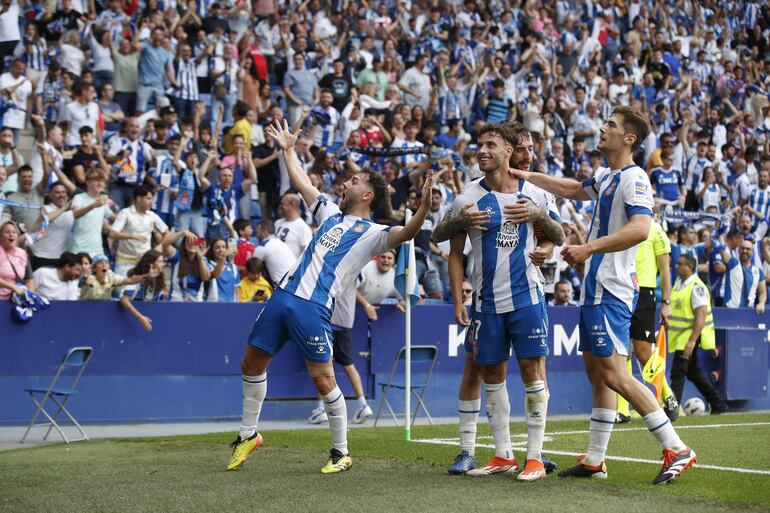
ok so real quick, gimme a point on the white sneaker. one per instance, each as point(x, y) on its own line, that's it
point(363, 413)
point(318, 416)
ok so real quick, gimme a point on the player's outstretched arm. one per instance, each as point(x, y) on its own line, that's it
point(562, 187)
point(633, 233)
point(286, 140)
point(455, 222)
point(456, 276)
point(398, 234)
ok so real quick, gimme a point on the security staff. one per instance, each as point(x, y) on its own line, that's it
point(652, 257)
point(691, 324)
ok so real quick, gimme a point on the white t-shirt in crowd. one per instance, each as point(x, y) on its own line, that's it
point(79, 115)
point(130, 221)
point(296, 234)
point(9, 23)
point(36, 163)
point(58, 239)
point(15, 118)
point(48, 285)
point(277, 257)
point(87, 230)
point(376, 286)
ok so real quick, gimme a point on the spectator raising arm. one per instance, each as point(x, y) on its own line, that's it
point(286, 140)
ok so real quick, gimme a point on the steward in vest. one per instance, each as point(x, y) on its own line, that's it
point(691, 324)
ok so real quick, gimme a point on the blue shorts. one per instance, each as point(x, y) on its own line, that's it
point(605, 328)
point(288, 317)
point(490, 336)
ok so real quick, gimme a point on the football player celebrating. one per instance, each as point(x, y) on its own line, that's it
point(620, 223)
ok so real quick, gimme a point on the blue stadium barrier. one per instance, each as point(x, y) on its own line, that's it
point(188, 367)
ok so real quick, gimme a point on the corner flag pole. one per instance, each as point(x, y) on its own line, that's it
point(408, 337)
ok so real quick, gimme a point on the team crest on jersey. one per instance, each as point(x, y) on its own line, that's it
point(610, 189)
point(508, 236)
point(359, 228)
point(331, 239)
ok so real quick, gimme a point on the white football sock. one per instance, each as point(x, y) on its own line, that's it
point(659, 425)
point(536, 404)
point(254, 391)
point(361, 401)
point(337, 411)
point(469, 416)
point(599, 431)
point(499, 413)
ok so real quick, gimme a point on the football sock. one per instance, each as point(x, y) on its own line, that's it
point(599, 431)
point(254, 391)
point(334, 403)
point(498, 413)
point(536, 404)
point(469, 415)
point(659, 425)
point(623, 407)
point(361, 401)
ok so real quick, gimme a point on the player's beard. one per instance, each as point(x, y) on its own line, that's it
point(523, 164)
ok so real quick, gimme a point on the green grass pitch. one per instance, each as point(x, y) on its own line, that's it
point(187, 474)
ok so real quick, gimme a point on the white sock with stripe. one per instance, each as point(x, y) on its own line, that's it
point(254, 391)
point(469, 416)
point(499, 413)
point(659, 425)
point(536, 405)
point(337, 411)
point(599, 432)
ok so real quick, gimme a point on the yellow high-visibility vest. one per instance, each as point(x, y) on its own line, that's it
point(682, 320)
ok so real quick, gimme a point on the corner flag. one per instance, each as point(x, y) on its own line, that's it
point(655, 370)
point(406, 273)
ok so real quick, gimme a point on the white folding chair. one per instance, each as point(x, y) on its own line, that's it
point(76, 358)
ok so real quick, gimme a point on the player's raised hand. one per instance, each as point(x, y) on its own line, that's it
point(574, 255)
point(461, 315)
point(519, 173)
point(523, 211)
point(539, 255)
point(475, 219)
point(282, 135)
point(427, 187)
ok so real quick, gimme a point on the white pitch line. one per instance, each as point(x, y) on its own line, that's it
point(612, 458)
point(456, 441)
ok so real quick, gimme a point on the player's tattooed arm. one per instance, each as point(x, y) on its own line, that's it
point(456, 222)
point(524, 211)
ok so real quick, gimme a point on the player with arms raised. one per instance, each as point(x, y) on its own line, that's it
point(508, 298)
point(301, 307)
point(621, 221)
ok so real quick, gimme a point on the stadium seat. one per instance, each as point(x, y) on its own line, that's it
point(423, 360)
point(389, 301)
point(76, 359)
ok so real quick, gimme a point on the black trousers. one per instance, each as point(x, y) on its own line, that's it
point(688, 367)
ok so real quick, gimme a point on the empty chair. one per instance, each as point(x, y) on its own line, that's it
point(72, 366)
point(423, 361)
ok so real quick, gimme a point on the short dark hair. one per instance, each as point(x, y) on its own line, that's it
point(498, 130)
point(142, 190)
point(84, 256)
point(241, 109)
point(68, 258)
point(240, 224)
point(85, 130)
point(379, 187)
point(517, 131)
point(267, 225)
point(253, 265)
point(635, 123)
point(690, 261)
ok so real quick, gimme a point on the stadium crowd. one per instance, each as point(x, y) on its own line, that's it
point(151, 178)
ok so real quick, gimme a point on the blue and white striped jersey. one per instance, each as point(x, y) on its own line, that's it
point(338, 251)
point(163, 202)
point(741, 284)
point(185, 76)
point(505, 278)
point(759, 199)
point(620, 194)
point(406, 160)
